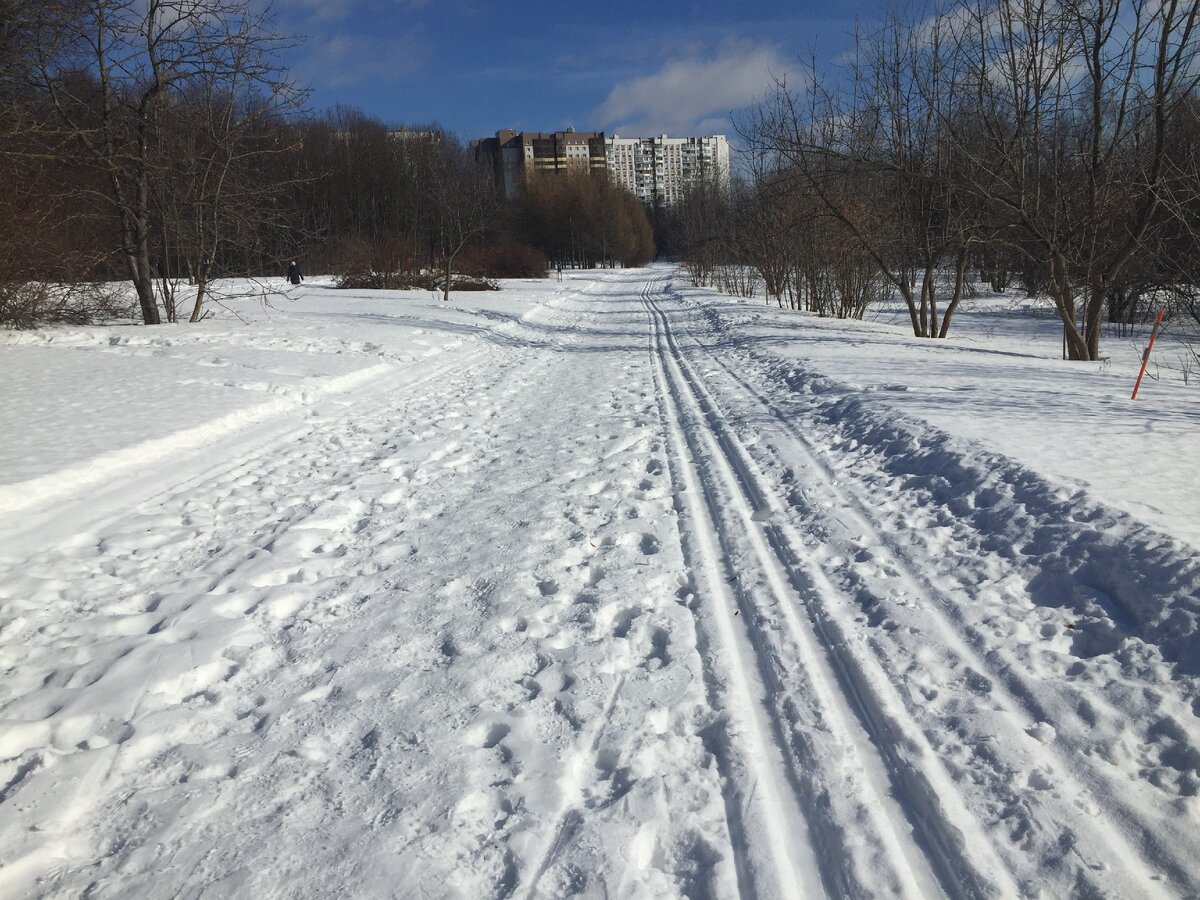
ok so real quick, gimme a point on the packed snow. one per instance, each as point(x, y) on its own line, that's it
point(608, 587)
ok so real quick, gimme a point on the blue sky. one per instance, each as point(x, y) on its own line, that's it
point(633, 68)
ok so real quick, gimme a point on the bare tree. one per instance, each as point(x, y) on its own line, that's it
point(112, 70)
point(1065, 118)
point(216, 195)
point(703, 229)
point(872, 148)
point(464, 205)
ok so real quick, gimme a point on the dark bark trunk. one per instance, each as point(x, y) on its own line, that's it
point(144, 283)
point(906, 292)
point(136, 252)
point(201, 291)
point(1064, 303)
point(1095, 314)
point(960, 282)
point(931, 280)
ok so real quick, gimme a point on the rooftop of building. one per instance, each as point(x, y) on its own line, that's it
point(664, 137)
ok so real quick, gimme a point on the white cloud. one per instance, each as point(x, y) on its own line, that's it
point(333, 10)
point(312, 11)
point(343, 59)
point(697, 89)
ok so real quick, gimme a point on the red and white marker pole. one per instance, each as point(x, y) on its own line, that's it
point(1146, 354)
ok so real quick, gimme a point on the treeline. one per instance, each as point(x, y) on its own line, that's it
point(162, 142)
point(584, 221)
point(388, 207)
point(1048, 143)
point(382, 200)
point(141, 138)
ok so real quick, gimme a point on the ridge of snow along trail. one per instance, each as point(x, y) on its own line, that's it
point(607, 588)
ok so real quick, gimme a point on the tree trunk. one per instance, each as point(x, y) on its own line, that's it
point(141, 231)
point(960, 281)
point(136, 252)
point(145, 285)
point(201, 289)
point(138, 264)
point(1064, 303)
point(1094, 314)
point(931, 278)
point(906, 292)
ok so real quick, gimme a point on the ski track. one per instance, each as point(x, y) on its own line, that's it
point(1059, 822)
point(592, 602)
point(770, 599)
point(1046, 797)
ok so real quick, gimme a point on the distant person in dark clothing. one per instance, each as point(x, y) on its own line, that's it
point(294, 275)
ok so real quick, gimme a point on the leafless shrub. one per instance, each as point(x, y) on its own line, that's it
point(1047, 141)
point(735, 279)
point(32, 304)
point(507, 259)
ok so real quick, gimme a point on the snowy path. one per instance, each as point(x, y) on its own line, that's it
point(600, 601)
point(958, 723)
point(743, 571)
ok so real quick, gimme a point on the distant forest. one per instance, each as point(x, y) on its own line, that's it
point(161, 142)
point(1048, 144)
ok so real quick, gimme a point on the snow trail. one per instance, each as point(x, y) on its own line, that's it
point(421, 639)
point(872, 573)
point(761, 794)
point(573, 593)
point(1020, 710)
point(835, 689)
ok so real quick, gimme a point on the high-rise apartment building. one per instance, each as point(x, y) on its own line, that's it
point(658, 169)
point(515, 155)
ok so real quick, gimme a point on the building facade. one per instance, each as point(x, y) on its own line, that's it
point(515, 155)
point(658, 169)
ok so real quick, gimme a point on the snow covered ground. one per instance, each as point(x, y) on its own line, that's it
point(612, 587)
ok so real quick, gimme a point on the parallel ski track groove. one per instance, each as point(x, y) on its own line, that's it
point(744, 792)
point(912, 869)
point(962, 866)
point(1016, 694)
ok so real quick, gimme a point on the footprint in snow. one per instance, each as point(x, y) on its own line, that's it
point(489, 734)
point(658, 657)
point(623, 622)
